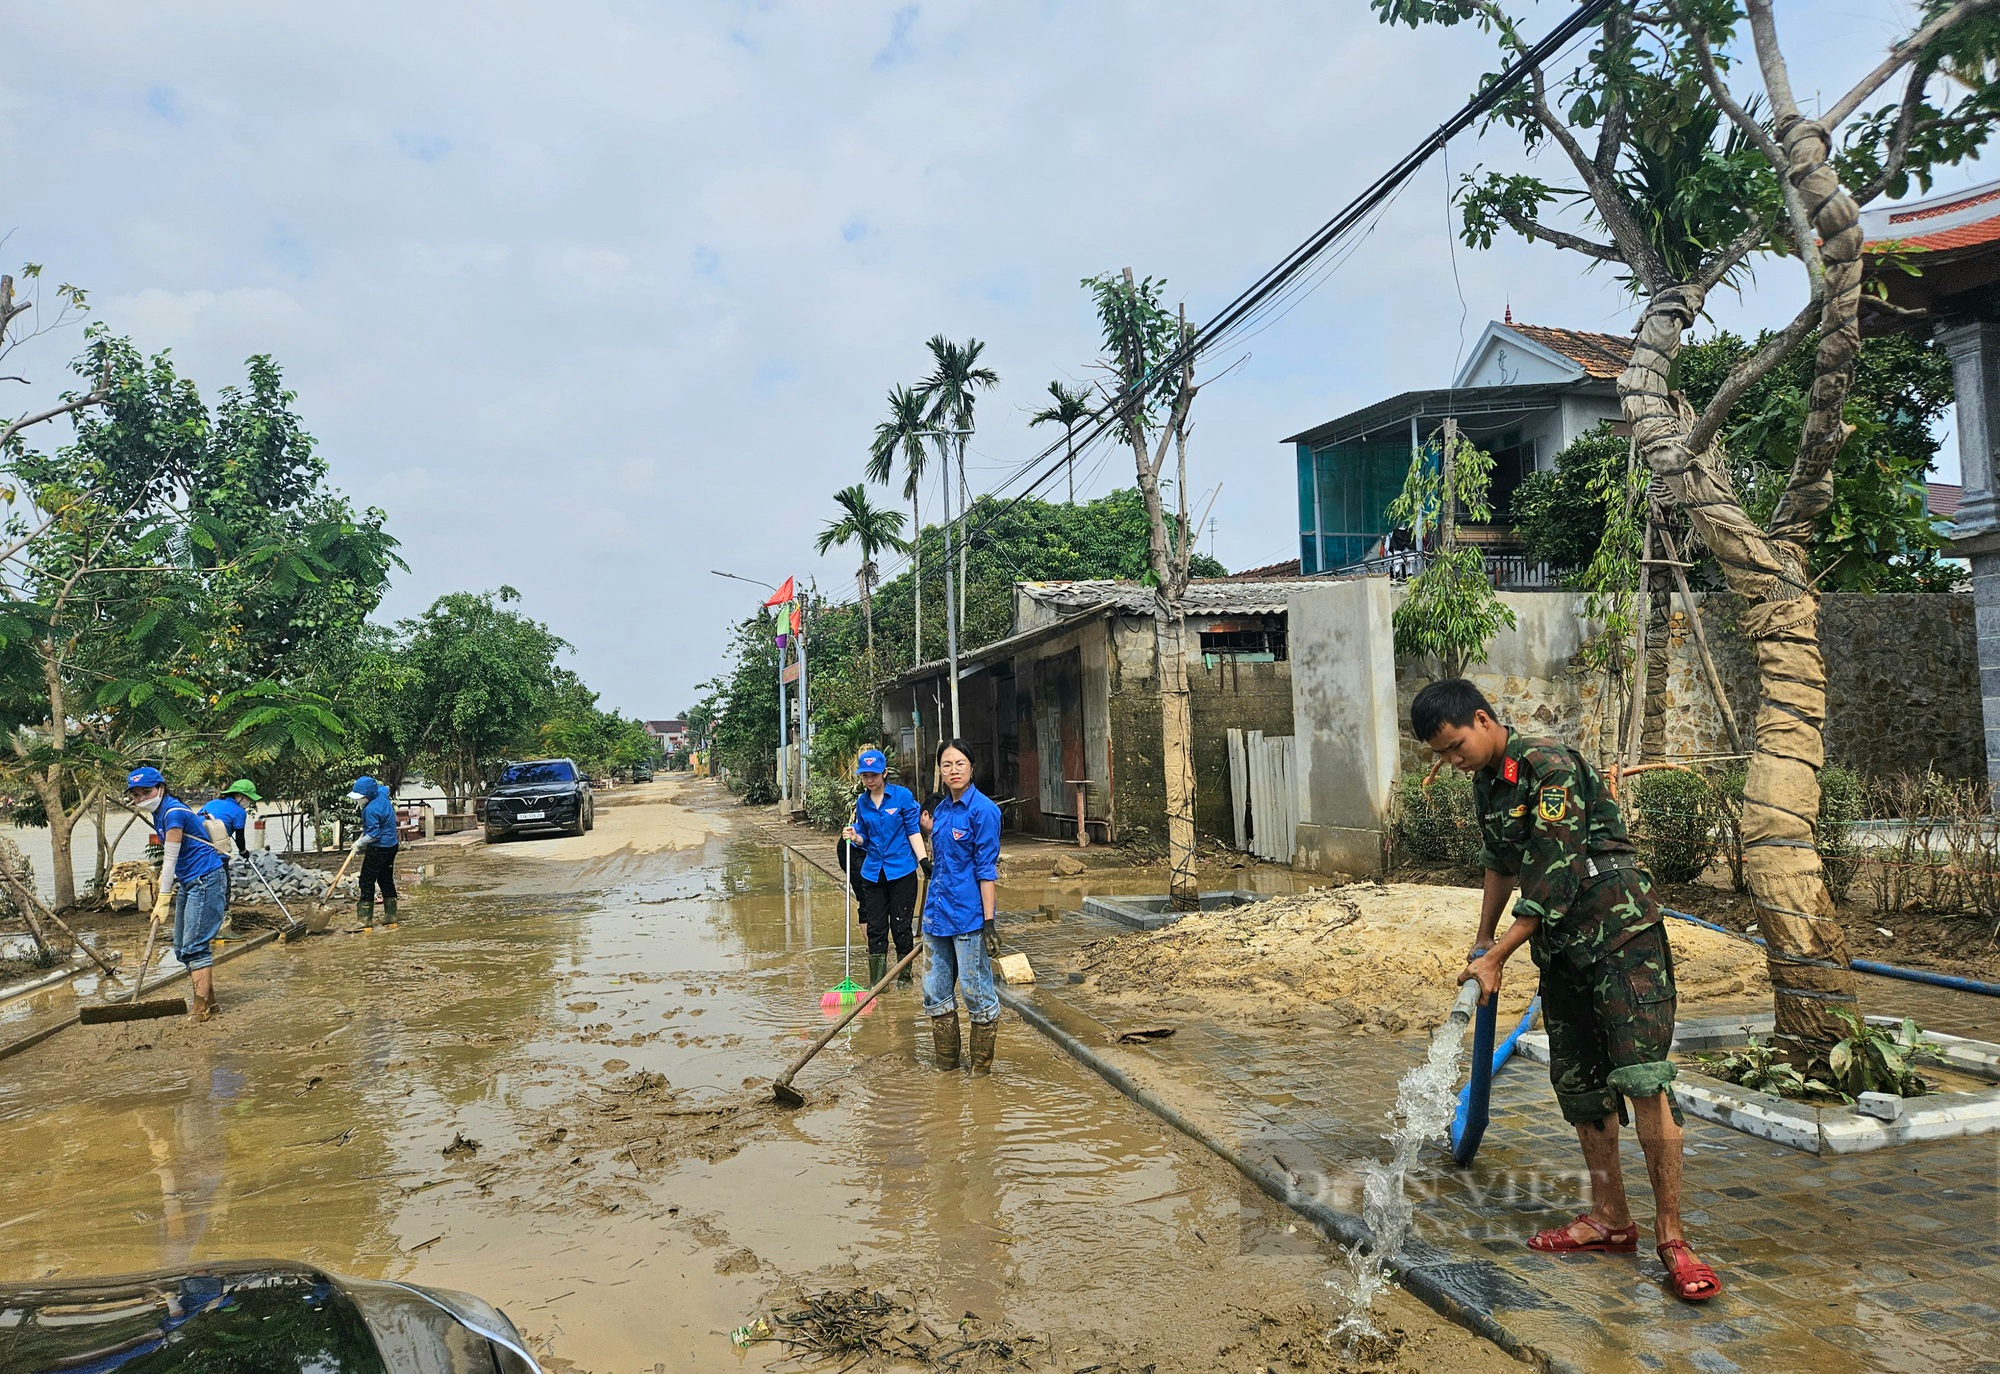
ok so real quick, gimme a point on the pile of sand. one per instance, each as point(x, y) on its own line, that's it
point(1376, 955)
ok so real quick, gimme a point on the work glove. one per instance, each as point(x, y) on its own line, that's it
point(163, 908)
point(925, 864)
point(361, 844)
point(991, 931)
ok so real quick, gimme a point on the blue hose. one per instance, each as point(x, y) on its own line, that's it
point(1913, 975)
point(1468, 1126)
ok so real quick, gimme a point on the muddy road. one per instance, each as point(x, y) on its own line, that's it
point(547, 1088)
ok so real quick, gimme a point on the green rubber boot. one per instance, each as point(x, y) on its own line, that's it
point(878, 968)
point(388, 913)
point(364, 914)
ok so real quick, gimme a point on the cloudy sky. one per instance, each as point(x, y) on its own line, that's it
point(595, 297)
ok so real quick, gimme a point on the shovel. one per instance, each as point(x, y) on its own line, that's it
point(293, 927)
point(782, 1088)
point(133, 1009)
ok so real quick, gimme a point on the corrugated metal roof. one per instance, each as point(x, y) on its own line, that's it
point(1468, 402)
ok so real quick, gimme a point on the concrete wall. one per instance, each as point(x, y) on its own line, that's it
point(1344, 721)
point(1231, 696)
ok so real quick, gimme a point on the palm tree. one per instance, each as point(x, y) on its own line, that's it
point(1071, 409)
point(874, 530)
point(951, 390)
point(903, 432)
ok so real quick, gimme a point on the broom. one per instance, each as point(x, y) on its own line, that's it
point(133, 1009)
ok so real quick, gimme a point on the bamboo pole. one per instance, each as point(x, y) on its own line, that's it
point(1642, 608)
point(1701, 644)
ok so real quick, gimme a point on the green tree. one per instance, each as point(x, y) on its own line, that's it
point(1687, 185)
point(479, 675)
point(1071, 408)
point(1450, 611)
point(903, 434)
point(1143, 351)
point(873, 531)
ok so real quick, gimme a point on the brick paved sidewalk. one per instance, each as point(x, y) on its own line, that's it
point(1880, 1261)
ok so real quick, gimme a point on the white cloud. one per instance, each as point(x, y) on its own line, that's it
point(596, 298)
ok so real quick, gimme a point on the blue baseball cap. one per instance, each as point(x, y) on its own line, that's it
point(148, 776)
point(871, 761)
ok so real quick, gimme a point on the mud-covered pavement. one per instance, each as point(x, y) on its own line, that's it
point(549, 1088)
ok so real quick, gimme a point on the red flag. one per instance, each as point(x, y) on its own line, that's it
point(782, 595)
point(795, 619)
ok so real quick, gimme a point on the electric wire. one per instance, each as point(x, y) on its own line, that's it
point(1299, 272)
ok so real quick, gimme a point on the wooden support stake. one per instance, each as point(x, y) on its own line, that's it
point(1635, 723)
point(1701, 644)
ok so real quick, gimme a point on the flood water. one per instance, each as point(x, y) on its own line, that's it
point(310, 1120)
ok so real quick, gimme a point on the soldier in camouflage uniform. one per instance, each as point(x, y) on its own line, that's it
point(1587, 913)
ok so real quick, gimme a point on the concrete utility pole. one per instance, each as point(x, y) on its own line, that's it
point(805, 702)
point(952, 604)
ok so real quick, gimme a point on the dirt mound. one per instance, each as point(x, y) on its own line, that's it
point(1380, 956)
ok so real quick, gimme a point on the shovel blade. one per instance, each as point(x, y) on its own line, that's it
point(787, 1095)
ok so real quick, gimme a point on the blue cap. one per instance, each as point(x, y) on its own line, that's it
point(871, 761)
point(148, 776)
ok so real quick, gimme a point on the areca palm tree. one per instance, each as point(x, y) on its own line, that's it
point(903, 433)
point(1071, 409)
point(951, 389)
point(874, 531)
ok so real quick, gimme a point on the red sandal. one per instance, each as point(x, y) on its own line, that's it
point(1558, 1241)
point(1691, 1280)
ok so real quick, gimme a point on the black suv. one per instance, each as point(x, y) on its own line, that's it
point(537, 797)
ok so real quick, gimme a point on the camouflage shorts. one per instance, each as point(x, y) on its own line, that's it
point(1610, 1025)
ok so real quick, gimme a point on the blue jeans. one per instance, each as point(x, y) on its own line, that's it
point(960, 960)
point(199, 905)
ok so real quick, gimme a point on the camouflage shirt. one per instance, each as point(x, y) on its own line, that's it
point(1546, 816)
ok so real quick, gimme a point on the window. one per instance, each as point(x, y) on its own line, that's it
point(1243, 642)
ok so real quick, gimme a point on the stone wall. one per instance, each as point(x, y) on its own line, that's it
point(1902, 680)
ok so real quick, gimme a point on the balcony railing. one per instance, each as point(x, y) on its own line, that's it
point(1511, 572)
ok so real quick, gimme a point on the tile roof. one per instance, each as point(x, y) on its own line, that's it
point(1289, 568)
point(1941, 499)
point(1599, 355)
point(1962, 219)
point(1218, 596)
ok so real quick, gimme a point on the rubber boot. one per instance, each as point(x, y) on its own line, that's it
point(944, 1039)
point(388, 912)
point(364, 913)
point(903, 978)
point(202, 1005)
point(878, 968)
point(983, 1036)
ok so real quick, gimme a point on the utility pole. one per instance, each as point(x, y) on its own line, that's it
point(805, 703)
point(952, 604)
point(1448, 512)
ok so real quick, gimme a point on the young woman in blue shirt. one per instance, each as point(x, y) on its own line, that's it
point(194, 892)
point(885, 830)
point(960, 937)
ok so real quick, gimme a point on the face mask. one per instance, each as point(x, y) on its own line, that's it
point(148, 804)
point(355, 798)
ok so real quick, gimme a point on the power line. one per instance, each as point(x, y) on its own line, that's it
point(1296, 274)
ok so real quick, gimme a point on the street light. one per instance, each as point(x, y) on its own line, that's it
point(950, 602)
point(784, 732)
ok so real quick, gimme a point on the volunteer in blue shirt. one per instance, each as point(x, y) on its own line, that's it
point(959, 934)
point(192, 878)
point(232, 809)
point(885, 829)
point(379, 838)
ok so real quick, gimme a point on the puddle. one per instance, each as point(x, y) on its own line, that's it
point(311, 1121)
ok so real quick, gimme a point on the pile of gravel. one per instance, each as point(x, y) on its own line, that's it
point(287, 880)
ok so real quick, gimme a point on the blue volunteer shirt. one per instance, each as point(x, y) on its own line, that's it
point(965, 849)
point(885, 832)
point(198, 857)
point(230, 812)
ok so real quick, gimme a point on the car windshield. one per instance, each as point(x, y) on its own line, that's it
point(517, 773)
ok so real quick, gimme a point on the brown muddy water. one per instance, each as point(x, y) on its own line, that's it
point(549, 1087)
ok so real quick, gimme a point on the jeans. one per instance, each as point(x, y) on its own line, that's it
point(961, 960)
point(199, 905)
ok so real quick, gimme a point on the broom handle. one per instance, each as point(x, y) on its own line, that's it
point(863, 1000)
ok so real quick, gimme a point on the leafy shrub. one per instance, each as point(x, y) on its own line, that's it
point(1436, 822)
point(829, 800)
point(1762, 1069)
point(1725, 793)
point(1943, 853)
point(1842, 802)
point(1677, 832)
point(1875, 1059)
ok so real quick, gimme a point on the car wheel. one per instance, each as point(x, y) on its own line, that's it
point(577, 826)
point(494, 836)
point(590, 816)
